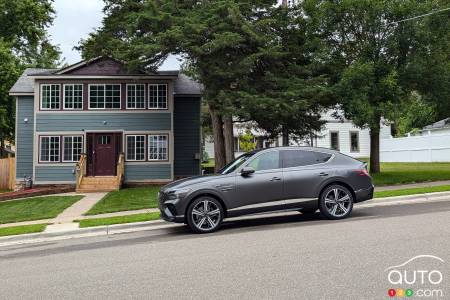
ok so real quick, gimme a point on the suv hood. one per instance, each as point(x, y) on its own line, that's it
point(185, 182)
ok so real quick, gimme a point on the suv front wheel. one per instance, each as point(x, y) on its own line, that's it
point(204, 215)
point(336, 202)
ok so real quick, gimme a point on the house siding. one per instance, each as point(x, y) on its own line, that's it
point(24, 138)
point(55, 174)
point(187, 136)
point(147, 172)
point(96, 121)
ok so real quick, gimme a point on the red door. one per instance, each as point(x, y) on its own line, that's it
point(103, 153)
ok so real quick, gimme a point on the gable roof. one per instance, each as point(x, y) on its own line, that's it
point(101, 66)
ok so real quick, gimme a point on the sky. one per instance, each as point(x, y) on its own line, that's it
point(74, 20)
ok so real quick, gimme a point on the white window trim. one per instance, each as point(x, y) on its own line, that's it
point(167, 96)
point(167, 148)
point(64, 146)
point(64, 95)
point(41, 98)
point(126, 147)
point(40, 149)
point(135, 84)
point(104, 85)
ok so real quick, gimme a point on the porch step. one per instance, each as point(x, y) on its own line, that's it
point(98, 184)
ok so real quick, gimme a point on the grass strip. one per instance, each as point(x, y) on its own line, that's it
point(119, 220)
point(24, 229)
point(412, 191)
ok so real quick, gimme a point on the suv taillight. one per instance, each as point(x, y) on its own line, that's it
point(362, 172)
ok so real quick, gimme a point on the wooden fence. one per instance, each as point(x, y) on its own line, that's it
point(7, 173)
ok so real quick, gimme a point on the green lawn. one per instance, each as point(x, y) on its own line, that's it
point(127, 199)
point(209, 164)
point(119, 220)
point(35, 208)
point(399, 173)
point(22, 229)
point(412, 191)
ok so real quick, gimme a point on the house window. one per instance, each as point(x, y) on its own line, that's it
point(136, 147)
point(334, 140)
point(157, 96)
point(354, 141)
point(50, 96)
point(72, 148)
point(104, 96)
point(135, 96)
point(73, 96)
point(157, 147)
point(49, 149)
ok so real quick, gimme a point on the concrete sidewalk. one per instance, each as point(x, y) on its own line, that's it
point(411, 185)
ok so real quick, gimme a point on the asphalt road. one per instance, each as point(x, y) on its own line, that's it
point(285, 256)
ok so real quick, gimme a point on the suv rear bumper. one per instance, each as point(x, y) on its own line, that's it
point(364, 194)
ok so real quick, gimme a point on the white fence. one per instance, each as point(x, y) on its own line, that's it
point(424, 148)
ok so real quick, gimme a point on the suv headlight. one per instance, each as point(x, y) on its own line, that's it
point(178, 194)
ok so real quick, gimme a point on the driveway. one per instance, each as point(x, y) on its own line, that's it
point(283, 256)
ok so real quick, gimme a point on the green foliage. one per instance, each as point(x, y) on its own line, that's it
point(246, 141)
point(120, 219)
point(23, 43)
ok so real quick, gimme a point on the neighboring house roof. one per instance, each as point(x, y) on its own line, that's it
point(445, 123)
point(183, 85)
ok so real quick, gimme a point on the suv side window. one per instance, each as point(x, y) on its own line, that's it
point(266, 161)
point(298, 158)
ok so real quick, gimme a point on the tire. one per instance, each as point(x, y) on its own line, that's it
point(336, 209)
point(200, 221)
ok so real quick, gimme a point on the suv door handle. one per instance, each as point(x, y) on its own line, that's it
point(323, 174)
point(275, 179)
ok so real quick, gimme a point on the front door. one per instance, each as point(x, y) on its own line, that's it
point(262, 190)
point(103, 153)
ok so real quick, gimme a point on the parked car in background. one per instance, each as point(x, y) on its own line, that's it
point(268, 180)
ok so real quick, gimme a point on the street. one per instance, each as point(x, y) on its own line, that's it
point(283, 256)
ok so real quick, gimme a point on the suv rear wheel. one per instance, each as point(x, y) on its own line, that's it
point(336, 202)
point(204, 215)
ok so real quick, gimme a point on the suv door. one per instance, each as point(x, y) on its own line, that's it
point(303, 173)
point(256, 191)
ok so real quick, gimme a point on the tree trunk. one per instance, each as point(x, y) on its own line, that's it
point(2, 146)
point(375, 147)
point(228, 138)
point(219, 147)
point(285, 139)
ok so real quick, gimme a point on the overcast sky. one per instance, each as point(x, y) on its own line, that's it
point(74, 21)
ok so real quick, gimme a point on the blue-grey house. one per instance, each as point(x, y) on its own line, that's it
point(96, 125)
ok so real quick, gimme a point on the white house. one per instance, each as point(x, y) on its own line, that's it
point(339, 134)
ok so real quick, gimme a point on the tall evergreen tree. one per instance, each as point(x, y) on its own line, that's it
point(247, 54)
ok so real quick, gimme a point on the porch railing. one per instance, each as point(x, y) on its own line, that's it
point(81, 169)
point(120, 169)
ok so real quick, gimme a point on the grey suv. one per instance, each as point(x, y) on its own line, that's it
point(274, 179)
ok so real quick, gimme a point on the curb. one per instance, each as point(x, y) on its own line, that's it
point(160, 224)
point(83, 232)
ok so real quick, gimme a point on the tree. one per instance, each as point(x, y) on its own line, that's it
point(243, 52)
point(23, 43)
point(247, 141)
point(372, 55)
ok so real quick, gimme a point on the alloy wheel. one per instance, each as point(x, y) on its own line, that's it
point(338, 202)
point(206, 215)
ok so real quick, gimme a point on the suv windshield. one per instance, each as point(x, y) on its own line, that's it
point(236, 163)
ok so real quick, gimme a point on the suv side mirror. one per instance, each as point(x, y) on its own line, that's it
point(246, 171)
